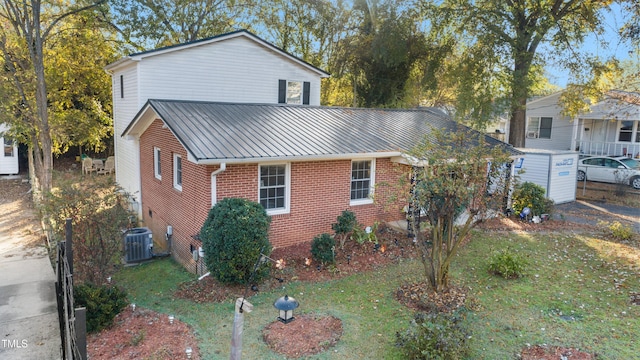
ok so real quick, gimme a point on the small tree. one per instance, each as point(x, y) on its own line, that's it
point(462, 180)
point(344, 226)
point(99, 213)
point(234, 235)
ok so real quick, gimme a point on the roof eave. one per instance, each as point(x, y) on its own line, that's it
point(296, 158)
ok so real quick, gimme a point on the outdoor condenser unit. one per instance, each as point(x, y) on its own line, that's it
point(138, 245)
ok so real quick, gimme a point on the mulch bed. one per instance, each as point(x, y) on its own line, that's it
point(306, 335)
point(541, 352)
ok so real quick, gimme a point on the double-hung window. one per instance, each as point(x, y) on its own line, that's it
point(157, 167)
point(539, 127)
point(274, 189)
point(626, 132)
point(294, 92)
point(177, 172)
point(362, 181)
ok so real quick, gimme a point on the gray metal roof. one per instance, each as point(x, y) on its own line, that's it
point(236, 132)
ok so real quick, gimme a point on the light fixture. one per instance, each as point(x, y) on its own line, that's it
point(189, 351)
point(109, 279)
point(171, 318)
point(285, 306)
point(133, 307)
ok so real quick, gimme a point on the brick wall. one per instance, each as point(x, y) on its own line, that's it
point(320, 191)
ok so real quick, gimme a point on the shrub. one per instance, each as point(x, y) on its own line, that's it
point(234, 235)
point(99, 213)
point(344, 225)
point(434, 336)
point(532, 196)
point(103, 303)
point(323, 248)
point(507, 264)
point(618, 230)
point(361, 235)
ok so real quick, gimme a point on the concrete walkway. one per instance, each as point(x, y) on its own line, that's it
point(29, 327)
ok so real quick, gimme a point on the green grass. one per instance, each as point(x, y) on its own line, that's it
point(575, 293)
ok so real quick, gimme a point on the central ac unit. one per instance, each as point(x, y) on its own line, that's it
point(138, 245)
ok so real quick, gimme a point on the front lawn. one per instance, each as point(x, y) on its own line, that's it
point(576, 293)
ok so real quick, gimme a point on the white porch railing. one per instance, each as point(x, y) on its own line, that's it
point(590, 148)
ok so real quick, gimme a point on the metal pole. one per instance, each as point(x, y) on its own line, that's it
point(68, 251)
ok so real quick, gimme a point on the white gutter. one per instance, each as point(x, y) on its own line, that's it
point(223, 167)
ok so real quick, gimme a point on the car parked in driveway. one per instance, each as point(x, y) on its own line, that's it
point(610, 169)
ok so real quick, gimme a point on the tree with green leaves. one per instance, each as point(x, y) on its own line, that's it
point(79, 90)
point(506, 37)
point(148, 24)
point(24, 32)
point(383, 52)
point(460, 179)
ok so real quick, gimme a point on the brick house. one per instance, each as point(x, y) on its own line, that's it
point(303, 162)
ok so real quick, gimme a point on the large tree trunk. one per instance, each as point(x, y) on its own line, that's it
point(520, 93)
point(44, 134)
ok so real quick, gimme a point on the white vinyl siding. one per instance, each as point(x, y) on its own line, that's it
point(561, 126)
point(9, 156)
point(235, 70)
point(127, 150)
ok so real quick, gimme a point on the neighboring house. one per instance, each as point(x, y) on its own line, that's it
point(304, 164)
point(9, 156)
point(610, 128)
point(233, 116)
point(237, 67)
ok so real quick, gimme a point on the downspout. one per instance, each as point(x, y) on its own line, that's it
point(575, 145)
point(223, 167)
point(214, 192)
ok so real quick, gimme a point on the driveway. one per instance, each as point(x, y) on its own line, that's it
point(29, 327)
point(589, 212)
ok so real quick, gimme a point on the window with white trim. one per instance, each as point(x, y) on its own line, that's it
point(274, 189)
point(177, 172)
point(362, 180)
point(629, 131)
point(294, 92)
point(8, 148)
point(539, 127)
point(157, 167)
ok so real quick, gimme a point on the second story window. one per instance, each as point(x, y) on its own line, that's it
point(293, 92)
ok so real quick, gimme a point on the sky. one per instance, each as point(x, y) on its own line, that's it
point(613, 21)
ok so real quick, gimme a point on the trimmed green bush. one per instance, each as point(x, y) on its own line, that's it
point(507, 264)
point(435, 336)
point(323, 248)
point(233, 236)
point(344, 225)
point(103, 303)
point(532, 196)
